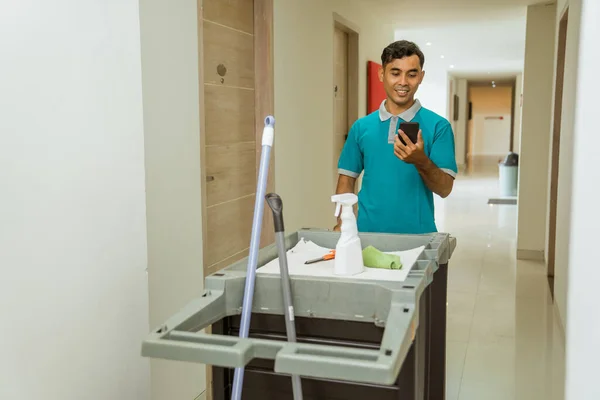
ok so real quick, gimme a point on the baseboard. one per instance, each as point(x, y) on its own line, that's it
point(532, 255)
point(486, 159)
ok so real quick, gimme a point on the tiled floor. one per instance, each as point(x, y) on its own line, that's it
point(504, 339)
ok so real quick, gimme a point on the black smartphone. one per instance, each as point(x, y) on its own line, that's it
point(411, 129)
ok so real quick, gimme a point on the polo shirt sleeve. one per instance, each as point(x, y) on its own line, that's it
point(443, 150)
point(351, 159)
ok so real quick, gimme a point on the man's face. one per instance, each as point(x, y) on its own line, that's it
point(401, 79)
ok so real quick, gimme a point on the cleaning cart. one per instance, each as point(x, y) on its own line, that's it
point(356, 337)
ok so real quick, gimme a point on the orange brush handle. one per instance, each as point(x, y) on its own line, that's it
point(328, 256)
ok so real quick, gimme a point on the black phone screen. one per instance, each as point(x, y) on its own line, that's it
point(411, 129)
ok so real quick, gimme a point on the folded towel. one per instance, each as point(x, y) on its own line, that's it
point(374, 258)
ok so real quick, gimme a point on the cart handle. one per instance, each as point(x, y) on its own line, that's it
point(311, 360)
point(358, 365)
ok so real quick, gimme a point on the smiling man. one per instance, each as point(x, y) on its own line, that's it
point(399, 180)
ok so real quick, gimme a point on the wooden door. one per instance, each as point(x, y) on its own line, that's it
point(558, 96)
point(340, 93)
point(236, 91)
point(345, 85)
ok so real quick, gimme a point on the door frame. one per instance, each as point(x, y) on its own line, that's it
point(264, 93)
point(480, 82)
point(341, 23)
point(555, 156)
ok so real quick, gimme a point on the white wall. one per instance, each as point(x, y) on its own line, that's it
point(169, 39)
point(433, 92)
point(583, 327)
point(73, 286)
point(491, 136)
point(567, 158)
point(304, 101)
point(536, 123)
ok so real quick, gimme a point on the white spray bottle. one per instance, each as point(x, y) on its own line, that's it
point(348, 251)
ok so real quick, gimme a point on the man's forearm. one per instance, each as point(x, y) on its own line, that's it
point(436, 180)
point(346, 184)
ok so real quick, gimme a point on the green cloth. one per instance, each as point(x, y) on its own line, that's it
point(374, 258)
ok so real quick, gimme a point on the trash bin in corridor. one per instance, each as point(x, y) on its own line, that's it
point(509, 174)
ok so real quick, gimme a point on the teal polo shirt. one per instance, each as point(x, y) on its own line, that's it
point(393, 197)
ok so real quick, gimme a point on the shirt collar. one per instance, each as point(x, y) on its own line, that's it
point(406, 115)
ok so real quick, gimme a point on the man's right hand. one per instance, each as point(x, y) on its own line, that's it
point(337, 228)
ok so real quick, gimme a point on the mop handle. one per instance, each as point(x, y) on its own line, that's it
point(276, 205)
point(267, 143)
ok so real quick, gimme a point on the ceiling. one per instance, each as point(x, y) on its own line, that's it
point(476, 47)
point(422, 13)
point(476, 38)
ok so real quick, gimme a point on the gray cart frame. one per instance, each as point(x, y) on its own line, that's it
point(403, 309)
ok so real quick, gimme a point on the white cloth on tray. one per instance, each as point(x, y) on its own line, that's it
point(307, 250)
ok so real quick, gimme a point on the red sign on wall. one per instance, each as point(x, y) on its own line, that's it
point(375, 91)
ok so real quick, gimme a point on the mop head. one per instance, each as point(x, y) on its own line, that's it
point(374, 258)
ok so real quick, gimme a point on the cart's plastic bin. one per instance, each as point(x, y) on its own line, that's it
point(390, 311)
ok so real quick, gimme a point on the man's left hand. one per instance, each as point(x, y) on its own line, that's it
point(411, 153)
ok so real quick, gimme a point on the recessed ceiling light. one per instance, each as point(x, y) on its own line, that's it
point(441, 56)
point(451, 66)
point(428, 43)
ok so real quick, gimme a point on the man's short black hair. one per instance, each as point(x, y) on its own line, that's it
point(401, 49)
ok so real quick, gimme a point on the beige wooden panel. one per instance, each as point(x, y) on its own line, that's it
point(236, 53)
point(231, 172)
point(341, 94)
point(229, 115)
point(228, 261)
point(228, 56)
point(352, 90)
point(340, 123)
point(341, 62)
point(229, 228)
point(263, 32)
point(237, 14)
